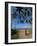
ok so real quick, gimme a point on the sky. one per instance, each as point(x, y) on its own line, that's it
point(16, 25)
point(21, 25)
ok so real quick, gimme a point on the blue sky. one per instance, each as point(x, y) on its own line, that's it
point(19, 25)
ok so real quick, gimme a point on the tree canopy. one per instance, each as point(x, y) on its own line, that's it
point(23, 14)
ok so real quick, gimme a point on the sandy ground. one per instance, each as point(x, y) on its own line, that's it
point(21, 34)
